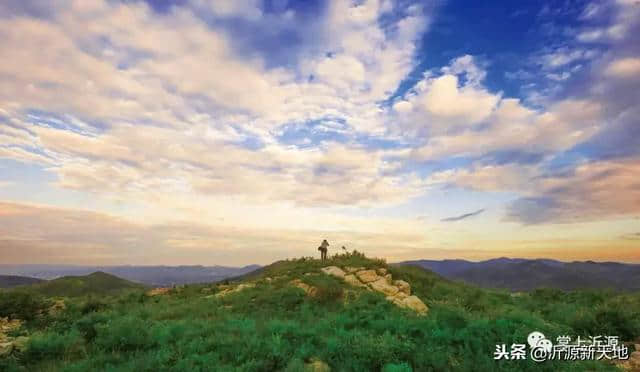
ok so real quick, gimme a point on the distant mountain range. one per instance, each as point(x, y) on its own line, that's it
point(519, 274)
point(149, 275)
point(10, 281)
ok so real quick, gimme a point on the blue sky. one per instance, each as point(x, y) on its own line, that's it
point(243, 131)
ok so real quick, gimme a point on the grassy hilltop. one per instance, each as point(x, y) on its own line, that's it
point(261, 322)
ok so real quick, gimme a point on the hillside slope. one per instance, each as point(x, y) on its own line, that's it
point(97, 283)
point(149, 275)
point(10, 281)
point(295, 315)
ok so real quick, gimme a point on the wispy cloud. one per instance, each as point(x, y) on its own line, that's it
point(463, 216)
point(304, 116)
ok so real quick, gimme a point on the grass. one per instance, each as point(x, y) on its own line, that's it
point(276, 327)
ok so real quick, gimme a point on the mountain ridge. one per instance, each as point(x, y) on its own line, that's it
point(519, 274)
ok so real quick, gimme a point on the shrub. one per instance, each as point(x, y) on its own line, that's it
point(21, 305)
point(92, 305)
point(88, 325)
point(124, 334)
point(51, 345)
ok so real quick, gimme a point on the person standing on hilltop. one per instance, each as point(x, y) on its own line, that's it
point(323, 249)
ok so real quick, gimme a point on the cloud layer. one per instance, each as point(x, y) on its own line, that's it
point(291, 116)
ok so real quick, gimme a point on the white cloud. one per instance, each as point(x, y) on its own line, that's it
point(625, 68)
point(443, 98)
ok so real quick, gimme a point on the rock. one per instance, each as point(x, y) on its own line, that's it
point(6, 348)
point(242, 286)
point(57, 307)
point(382, 271)
point(381, 285)
point(388, 278)
point(158, 291)
point(238, 288)
point(317, 366)
point(308, 289)
point(351, 279)
point(333, 270)
point(367, 276)
point(7, 325)
point(351, 269)
point(403, 286)
point(415, 304)
point(398, 298)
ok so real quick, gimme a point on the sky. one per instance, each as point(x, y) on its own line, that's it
point(233, 132)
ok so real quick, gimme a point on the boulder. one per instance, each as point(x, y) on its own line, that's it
point(6, 348)
point(317, 366)
point(403, 286)
point(388, 278)
point(226, 290)
point(397, 298)
point(334, 271)
point(57, 307)
point(381, 285)
point(351, 269)
point(242, 286)
point(367, 276)
point(351, 279)
point(382, 271)
point(415, 304)
point(158, 291)
point(309, 290)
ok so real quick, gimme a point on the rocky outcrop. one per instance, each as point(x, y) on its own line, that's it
point(380, 280)
point(308, 289)
point(57, 307)
point(158, 291)
point(415, 304)
point(403, 286)
point(334, 270)
point(9, 344)
point(351, 279)
point(367, 276)
point(317, 366)
point(240, 287)
point(351, 269)
point(381, 285)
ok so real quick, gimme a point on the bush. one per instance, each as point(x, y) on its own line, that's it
point(124, 334)
point(92, 305)
point(21, 305)
point(88, 325)
point(329, 289)
point(51, 345)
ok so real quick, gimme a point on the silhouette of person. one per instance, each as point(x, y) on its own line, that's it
point(323, 249)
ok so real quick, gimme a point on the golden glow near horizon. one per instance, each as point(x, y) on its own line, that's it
point(131, 134)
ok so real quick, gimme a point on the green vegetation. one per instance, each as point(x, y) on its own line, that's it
point(98, 283)
point(277, 327)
